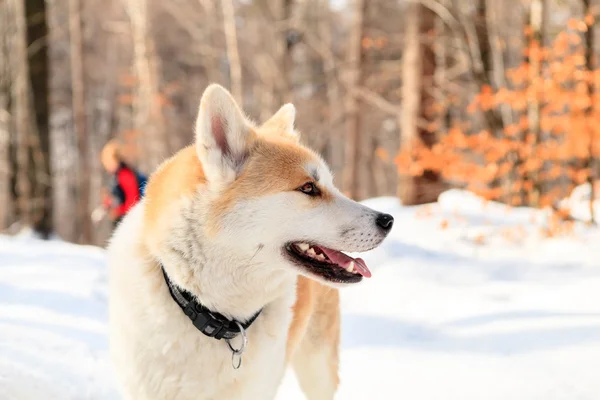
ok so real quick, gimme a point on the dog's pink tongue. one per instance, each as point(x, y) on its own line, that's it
point(344, 260)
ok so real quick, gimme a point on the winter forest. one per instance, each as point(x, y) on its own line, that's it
point(404, 98)
point(474, 123)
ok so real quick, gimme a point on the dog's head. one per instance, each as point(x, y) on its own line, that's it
point(273, 196)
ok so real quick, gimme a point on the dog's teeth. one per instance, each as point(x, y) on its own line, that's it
point(303, 246)
point(320, 257)
point(350, 267)
point(311, 252)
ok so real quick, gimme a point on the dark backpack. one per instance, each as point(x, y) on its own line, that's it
point(141, 180)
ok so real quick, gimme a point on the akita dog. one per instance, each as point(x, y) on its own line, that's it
point(227, 269)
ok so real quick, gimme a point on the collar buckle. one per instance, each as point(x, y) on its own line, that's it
point(207, 323)
point(211, 324)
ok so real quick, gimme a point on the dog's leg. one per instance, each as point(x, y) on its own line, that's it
point(316, 357)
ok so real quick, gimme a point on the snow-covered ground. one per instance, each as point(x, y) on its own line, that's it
point(467, 301)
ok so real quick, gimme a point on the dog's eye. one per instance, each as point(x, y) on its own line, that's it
point(310, 189)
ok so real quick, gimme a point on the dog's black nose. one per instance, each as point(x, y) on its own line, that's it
point(385, 221)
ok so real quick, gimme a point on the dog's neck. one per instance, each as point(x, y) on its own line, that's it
point(234, 285)
point(235, 290)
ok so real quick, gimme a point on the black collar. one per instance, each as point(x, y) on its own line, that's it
point(212, 324)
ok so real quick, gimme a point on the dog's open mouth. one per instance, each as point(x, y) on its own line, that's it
point(329, 264)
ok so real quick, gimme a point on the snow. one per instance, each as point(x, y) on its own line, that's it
point(578, 202)
point(468, 301)
point(53, 321)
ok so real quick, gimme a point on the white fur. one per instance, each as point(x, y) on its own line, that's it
point(158, 354)
point(218, 111)
point(271, 221)
point(283, 121)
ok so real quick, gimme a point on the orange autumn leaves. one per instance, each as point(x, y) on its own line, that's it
point(518, 158)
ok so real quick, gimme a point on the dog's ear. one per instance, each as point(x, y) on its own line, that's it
point(282, 122)
point(223, 135)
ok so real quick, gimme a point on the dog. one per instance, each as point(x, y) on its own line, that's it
point(228, 269)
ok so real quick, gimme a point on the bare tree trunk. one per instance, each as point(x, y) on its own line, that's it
point(411, 98)
point(4, 159)
point(336, 140)
point(283, 12)
point(5, 170)
point(235, 67)
point(417, 76)
point(20, 97)
point(591, 162)
point(441, 66)
point(536, 22)
point(497, 56)
point(482, 32)
point(148, 117)
point(37, 33)
point(79, 119)
point(352, 106)
point(478, 52)
point(11, 25)
point(5, 120)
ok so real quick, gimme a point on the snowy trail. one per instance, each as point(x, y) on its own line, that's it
point(454, 313)
point(52, 321)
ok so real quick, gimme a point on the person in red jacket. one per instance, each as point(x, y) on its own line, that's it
point(125, 191)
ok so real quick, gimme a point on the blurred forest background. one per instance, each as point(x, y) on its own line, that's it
point(402, 97)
